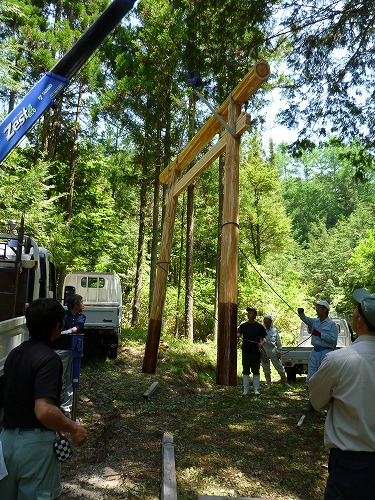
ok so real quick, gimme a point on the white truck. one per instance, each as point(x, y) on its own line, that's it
point(102, 297)
point(27, 272)
point(296, 359)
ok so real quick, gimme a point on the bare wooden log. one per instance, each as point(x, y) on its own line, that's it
point(226, 369)
point(157, 306)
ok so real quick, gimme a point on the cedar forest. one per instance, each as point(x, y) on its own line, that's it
point(87, 175)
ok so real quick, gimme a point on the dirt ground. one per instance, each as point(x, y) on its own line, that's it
point(225, 444)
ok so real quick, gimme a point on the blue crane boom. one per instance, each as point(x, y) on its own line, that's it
point(51, 85)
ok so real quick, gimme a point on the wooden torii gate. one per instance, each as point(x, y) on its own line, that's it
point(230, 110)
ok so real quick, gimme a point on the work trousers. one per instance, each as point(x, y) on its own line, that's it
point(67, 376)
point(351, 475)
point(272, 357)
point(33, 469)
point(315, 360)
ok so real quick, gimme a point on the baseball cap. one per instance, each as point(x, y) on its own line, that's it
point(251, 309)
point(267, 316)
point(322, 303)
point(367, 301)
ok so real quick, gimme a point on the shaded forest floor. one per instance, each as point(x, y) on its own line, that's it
point(225, 444)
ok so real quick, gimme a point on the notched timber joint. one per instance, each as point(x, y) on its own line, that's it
point(231, 130)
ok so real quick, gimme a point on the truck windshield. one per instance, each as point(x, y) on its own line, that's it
point(92, 282)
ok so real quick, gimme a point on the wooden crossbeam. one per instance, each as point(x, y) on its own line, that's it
point(242, 124)
point(244, 90)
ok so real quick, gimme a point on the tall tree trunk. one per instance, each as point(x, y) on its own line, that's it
point(189, 266)
point(141, 237)
point(73, 166)
point(72, 177)
point(155, 232)
point(163, 158)
point(177, 324)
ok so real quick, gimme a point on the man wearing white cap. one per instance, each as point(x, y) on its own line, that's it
point(345, 385)
point(324, 333)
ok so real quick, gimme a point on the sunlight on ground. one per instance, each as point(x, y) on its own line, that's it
point(106, 482)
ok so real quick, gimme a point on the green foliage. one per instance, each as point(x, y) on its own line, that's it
point(322, 185)
point(29, 191)
point(265, 227)
point(331, 68)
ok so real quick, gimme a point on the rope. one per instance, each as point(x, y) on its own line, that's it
point(281, 298)
point(264, 279)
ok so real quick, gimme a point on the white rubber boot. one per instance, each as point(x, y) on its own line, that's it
point(246, 384)
point(256, 382)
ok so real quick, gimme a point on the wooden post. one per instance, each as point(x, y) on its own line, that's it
point(156, 313)
point(226, 370)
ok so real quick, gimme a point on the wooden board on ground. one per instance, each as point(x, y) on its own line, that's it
point(168, 481)
point(151, 390)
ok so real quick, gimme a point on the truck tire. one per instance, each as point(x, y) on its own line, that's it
point(112, 352)
point(291, 373)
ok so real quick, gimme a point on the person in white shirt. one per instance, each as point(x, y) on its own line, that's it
point(345, 385)
point(272, 347)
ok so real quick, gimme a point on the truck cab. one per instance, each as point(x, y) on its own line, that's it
point(102, 297)
point(296, 359)
point(27, 272)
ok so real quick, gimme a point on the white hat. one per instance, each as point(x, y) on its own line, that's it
point(367, 301)
point(322, 303)
point(267, 316)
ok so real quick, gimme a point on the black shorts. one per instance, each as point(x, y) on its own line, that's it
point(250, 362)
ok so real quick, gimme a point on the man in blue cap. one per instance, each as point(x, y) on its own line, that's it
point(324, 333)
point(345, 385)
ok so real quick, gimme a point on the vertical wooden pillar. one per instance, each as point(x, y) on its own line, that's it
point(226, 370)
point(158, 298)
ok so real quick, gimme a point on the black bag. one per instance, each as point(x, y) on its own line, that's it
point(62, 448)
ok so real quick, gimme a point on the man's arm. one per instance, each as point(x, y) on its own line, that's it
point(53, 418)
point(79, 323)
point(321, 385)
point(304, 318)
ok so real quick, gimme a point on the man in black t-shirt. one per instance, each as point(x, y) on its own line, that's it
point(31, 399)
point(253, 333)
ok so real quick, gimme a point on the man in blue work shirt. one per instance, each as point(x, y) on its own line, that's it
point(324, 333)
point(74, 323)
